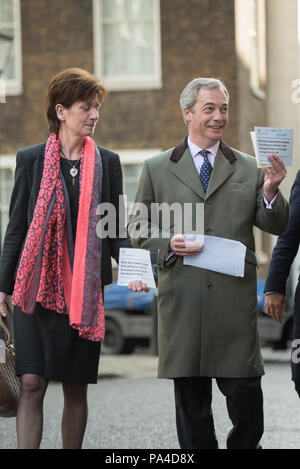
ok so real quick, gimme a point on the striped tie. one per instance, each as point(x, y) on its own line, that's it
point(205, 170)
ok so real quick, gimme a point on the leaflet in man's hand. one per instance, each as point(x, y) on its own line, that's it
point(269, 140)
point(222, 255)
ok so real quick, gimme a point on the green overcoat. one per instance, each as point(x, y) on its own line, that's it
point(207, 321)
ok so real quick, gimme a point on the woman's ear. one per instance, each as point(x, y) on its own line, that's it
point(60, 112)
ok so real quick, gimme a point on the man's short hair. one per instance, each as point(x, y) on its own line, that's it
point(189, 95)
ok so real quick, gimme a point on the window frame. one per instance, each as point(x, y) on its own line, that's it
point(125, 82)
point(7, 162)
point(135, 157)
point(257, 38)
point(14, 86)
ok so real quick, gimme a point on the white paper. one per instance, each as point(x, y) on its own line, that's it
point(2, 351)
point(220, 255)
point(253, 138)
point(135, 264)
point(269, 140)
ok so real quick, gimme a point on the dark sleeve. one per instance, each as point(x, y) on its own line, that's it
point(121, 240)
point(16, 229)
point(287, 246)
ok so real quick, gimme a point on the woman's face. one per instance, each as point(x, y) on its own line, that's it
point(80, 119)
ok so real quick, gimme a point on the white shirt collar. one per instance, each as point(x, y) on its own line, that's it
point(194, 149)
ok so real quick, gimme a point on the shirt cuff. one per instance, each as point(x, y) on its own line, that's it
point(272, 293)
point(269, 205)
point(168, 255)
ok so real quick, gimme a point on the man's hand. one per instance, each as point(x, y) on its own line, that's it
point(138, 285)
point(178, 246)
point(3, 307)
point(275, 306)
point(273, 177)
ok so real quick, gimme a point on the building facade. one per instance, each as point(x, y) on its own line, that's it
point(145, 52)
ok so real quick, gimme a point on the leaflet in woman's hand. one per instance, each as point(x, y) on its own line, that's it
point(135, 264)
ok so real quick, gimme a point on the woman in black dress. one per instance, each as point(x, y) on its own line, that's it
point(54, 262)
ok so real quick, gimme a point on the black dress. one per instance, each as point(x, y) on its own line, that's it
point(45, 343)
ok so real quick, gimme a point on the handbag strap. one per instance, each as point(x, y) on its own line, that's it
point(4, 325)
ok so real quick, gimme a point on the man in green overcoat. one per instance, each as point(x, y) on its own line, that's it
point(207, 321)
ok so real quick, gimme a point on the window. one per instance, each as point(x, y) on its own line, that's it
point(257, 37)
point(7, 164)
point(132, 163)
point(131, 176)
point(127, 43)
point(10, 46)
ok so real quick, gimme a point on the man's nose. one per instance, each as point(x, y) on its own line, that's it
point(218, 115)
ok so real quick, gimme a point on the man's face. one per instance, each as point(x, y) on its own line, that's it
point(208, 118)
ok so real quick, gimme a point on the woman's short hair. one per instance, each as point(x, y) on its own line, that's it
point(69, 86)
point(189, 95)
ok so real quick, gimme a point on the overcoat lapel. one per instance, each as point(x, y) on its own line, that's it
point(222, 170)
point(185, 170)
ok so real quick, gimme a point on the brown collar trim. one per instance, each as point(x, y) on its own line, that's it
point(179, 150)
point(227, 152)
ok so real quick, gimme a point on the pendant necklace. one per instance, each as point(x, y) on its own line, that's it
point(73, 170)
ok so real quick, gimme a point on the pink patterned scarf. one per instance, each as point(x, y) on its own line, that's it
point(54, 271)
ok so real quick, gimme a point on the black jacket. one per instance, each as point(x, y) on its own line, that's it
point(283, 256)
point(28, 175)
point(286, 247)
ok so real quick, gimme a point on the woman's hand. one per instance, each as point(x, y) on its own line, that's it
point(138, 285)
point(3, 307)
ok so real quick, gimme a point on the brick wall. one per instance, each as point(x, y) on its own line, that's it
point(198, 39)
point(56, 34)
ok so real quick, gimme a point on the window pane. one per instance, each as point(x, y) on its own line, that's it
point(7, 53)
point(138, 8)
point(127, 8)
point(131, 176)
point(113, 8)
point(132, 171)
point(130, 190)
point(128, 49)
point(6, 185)
point(3, 224)
point(6, 11)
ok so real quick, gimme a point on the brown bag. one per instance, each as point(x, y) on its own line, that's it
point(9, 382)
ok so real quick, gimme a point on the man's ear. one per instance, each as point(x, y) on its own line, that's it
point(187, 113)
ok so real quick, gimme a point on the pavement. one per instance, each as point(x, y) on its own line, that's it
point(131, 409)
point(125, 366)
point(141, 363)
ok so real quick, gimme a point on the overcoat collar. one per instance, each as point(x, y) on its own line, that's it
point(185, 169)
